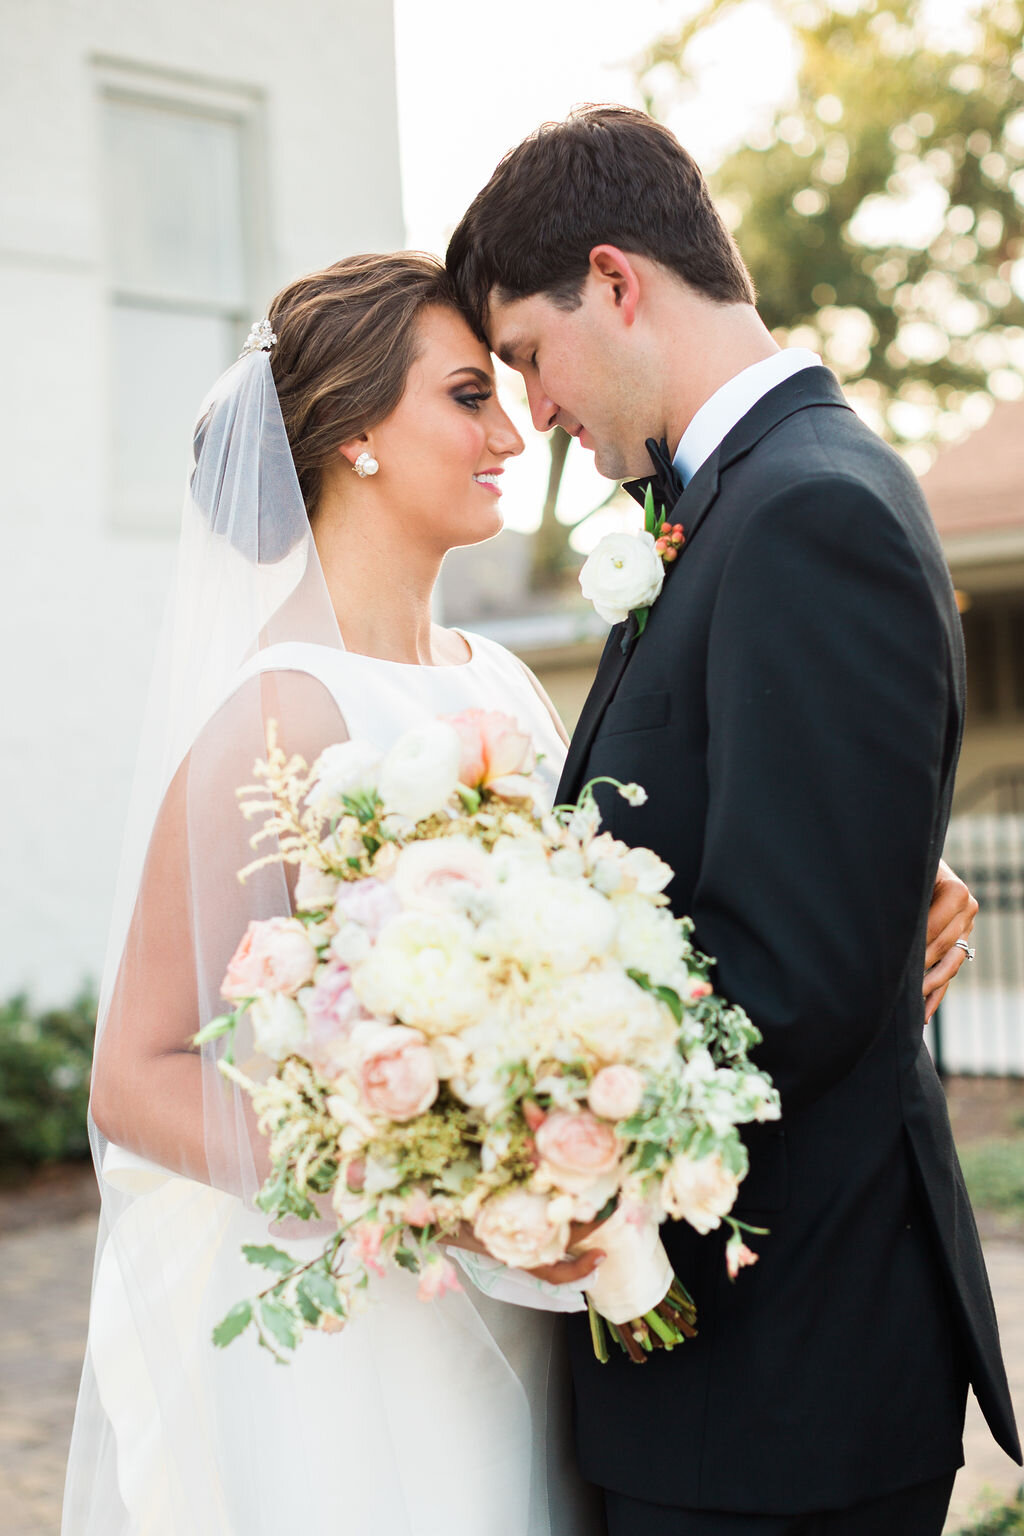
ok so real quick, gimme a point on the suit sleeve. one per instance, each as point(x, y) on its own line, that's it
point(828, 681)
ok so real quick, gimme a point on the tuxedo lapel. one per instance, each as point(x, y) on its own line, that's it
point(810, 387)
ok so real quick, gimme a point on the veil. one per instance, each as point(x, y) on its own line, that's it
point(172, 1436)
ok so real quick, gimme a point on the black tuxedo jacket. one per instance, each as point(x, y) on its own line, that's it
point(794, 711)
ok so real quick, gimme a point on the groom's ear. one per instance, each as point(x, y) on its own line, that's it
point(617, 278)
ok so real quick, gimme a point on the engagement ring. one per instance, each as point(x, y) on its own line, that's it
point(963, 944)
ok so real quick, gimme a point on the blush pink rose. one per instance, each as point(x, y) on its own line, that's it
point(494, 750)
point(516, 1229)
point(397, 1074)
point(275, 955)
point(577, 1149)
point(369, 1236)
point(616, 1092)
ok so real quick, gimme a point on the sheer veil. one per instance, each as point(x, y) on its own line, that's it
point(172, 1436)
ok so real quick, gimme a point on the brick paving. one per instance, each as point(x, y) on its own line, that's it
point(44, 1290)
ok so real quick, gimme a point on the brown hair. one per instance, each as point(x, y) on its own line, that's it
point(346, 338)
point(606, 175)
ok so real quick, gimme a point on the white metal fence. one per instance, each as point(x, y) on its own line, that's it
point(980, 1028)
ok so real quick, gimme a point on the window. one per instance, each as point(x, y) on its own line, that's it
point(994, 642)
point(184, 261)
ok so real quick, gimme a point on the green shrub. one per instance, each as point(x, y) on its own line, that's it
point(45, 1058)
point(994, 1171)
point(1006, 1520)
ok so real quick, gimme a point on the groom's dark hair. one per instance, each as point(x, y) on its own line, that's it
point(606, 175)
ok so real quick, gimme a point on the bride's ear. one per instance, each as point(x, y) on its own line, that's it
point(360, 456)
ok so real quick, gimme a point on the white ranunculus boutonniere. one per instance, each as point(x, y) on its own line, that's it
point(625, 572)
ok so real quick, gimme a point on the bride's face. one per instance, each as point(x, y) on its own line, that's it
point(443, 449)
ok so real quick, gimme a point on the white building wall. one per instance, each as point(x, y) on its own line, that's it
point(79, 602)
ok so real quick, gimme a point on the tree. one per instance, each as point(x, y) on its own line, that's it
point(923, 329)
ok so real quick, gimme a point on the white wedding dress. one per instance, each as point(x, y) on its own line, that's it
point(448, 1418)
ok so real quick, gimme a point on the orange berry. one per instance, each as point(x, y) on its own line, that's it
point(670, 554)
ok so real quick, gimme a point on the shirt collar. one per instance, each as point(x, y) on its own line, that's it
point(729, 404)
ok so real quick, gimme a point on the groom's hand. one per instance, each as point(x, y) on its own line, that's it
point(951, 917)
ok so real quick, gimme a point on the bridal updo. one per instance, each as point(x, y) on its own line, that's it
point(346, 339)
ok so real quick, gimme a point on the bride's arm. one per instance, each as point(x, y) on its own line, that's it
point(151, 1093)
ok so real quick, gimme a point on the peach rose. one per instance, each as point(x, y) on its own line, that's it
point(275, 955)
point(396, 1073)
point(616, 1092)
point(577, 1149)
point(516, 1229)
point(700, 1192)
point(494, 751)
point(418, 1210)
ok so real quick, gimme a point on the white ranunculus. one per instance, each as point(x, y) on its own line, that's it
point(624, 572)
point(278, 1025)
point(420, 773)
point(347, 768)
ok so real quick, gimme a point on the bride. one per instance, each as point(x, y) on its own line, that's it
point(356, 440)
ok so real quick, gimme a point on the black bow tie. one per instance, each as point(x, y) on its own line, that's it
point(666, 483)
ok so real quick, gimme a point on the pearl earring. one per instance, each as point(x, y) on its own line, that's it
point(365, 465)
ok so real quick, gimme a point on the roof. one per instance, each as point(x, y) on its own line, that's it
point(978, 485)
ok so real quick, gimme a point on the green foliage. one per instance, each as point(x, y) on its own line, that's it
point(45, 1060)
point(1006, 1520)
point(994, 1171)
point(917, 325)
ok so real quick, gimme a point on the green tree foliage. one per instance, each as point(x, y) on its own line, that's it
point(45, 1059)
point(918, 325)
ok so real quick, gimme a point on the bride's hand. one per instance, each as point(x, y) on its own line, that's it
point(574, 1267)
point(951, 917)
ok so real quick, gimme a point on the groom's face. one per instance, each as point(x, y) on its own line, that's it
point(578, 372)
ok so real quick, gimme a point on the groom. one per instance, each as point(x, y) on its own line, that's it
point(794, 710)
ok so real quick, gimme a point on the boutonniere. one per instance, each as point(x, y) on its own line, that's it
point(625, 572)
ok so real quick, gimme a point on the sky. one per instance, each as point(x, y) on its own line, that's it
point(475, 78)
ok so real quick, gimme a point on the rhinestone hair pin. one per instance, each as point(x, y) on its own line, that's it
point(261, 338)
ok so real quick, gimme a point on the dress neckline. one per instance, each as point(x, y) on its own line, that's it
point(422, 666)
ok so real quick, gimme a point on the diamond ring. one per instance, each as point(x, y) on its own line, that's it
point(967, 948)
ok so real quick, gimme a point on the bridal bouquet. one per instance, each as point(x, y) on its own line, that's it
point(484, 1017)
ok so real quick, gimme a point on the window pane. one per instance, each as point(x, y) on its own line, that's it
point(163, 366)
point(174, 203)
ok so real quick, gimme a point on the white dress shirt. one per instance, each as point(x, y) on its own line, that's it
point(730, 404)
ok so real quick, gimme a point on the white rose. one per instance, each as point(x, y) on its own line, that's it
point(347, 768)
point(700, 1192)
point(649, 874)
point(624, 572)
point(420, 773)
point(432, 876)
point(278, 1025)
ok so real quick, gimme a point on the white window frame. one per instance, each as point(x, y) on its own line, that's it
point(123, 81)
